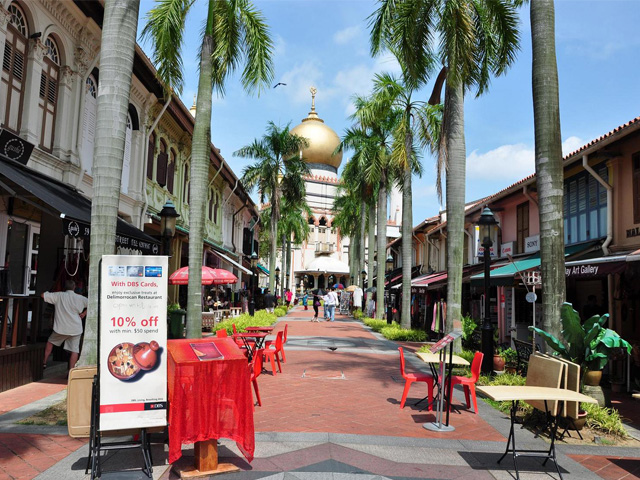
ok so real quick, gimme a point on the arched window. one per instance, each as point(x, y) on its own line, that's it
point(186, 184)
point(151, 154)
point(126, 161)
point(311, 221)
point(49, 93)
point(212, 199)
point(161, 164)
point(171, 170)
point(89, 122)
point(14, 70)
point(216, 207)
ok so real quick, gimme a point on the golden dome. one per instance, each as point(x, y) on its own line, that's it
point(322, 139)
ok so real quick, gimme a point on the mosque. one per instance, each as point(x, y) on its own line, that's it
point(322, 260)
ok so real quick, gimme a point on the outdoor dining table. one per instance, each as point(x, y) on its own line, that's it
point(209, 399)
point(433, 359)
point(258, 339)
point(260, 329)
point(515, 394)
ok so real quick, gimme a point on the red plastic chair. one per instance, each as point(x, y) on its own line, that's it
point(256, 370)
point(410, 378)
point(469, 383)
point(239, 341)
point(284, 342)
point(272, 353)
point(221, 333)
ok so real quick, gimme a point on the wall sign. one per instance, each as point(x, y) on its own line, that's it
point(14, 148)
point(77, 229)
point(532, 244)
point(132, 357)
point(506, 249)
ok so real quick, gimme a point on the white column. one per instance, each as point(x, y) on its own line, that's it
point(4, 21)
point(31, 119)
point(65, 112)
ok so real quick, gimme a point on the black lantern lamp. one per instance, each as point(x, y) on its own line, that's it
point(254, 281)
point(363, 274)
point(487, 222)
point(277, 282)
point(168, 217)
point(389, 267)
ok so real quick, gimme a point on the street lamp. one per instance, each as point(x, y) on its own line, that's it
point(168, 217)
point(254, 280)
point(389, 266)
point(287, 284)
point(363, 274)
point(277, 282)
point(487, 222)
point(351, 280)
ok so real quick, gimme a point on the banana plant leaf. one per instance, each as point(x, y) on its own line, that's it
point(572, 330)
point(553, 342)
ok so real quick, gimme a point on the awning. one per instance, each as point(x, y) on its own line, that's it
point(223, 257)
point(326, 265)
point(415, 272)
point(596, 267)
point(263, 269)
point(428, 279)
point(505, 275)
point(61, 200)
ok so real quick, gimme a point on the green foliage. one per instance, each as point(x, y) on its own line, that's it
point(262, 318)
point(397, 333)
point(509, 354)
point(468, 326)
point(467, 355)
point(375, 324)
point(509, 379)
point(280, 311)
point(358, 314)
point(172, 307)
point(606, 420)
point(590, 344)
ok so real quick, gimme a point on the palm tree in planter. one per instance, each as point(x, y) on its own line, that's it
point(590, 345)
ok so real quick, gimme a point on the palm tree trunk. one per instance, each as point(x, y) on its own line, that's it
point(283, 266)
point(116, 64)
point(407, 242)
point(455, 184)
point(289, 257)
point(549, 174)
point(382, 246)
point(372, 243)
point(200, 151)
point(363, 225)
point(275, 215)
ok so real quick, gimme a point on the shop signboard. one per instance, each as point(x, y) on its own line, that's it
point(506, 249)
point(14, 148)
point(532, 244)
point(132, 353)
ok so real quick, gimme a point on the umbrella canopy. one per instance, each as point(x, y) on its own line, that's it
point(371, 289)
point(339, 286)
point(351, 288)
point(210, 276)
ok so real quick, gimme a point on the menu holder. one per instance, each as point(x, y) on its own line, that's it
point(206, 351)
point(444, 341)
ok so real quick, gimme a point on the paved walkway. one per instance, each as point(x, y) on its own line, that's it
point(333, 413)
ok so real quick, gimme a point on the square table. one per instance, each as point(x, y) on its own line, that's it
point(515, 394)
point(260, 329)
point(209, 400)
point(434, 358)
point(258, 339)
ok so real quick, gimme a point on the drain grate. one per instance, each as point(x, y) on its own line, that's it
point(324, 376)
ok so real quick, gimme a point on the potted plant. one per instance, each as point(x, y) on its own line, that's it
point(510, 359)
point(590, 345)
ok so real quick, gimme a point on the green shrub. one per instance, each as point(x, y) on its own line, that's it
point(467, 355)
point(510, 356)
point(510, 379)
point(280, 311)
point(397, 333)
point(262, 318)
point(374, 324)
point(358, 314)
point(606, 420)
point(468, 326)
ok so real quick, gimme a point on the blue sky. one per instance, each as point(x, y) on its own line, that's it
point(325, 43)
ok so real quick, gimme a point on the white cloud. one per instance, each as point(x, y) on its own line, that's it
point(346, 35)
point(421, 191)
point(512, 162)
point(571, 144)
point(300, 79)
point(279, 46)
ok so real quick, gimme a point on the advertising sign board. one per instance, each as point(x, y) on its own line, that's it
point(506, 249)
point(532, 244)
point(132, 356)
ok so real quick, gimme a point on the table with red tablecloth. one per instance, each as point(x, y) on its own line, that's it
point(209, 399)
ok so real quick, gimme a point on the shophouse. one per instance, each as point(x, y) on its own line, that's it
point(48, 90)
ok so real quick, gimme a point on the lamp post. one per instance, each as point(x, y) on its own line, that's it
point(168, 217)
point(363, 274)
point(351, 280)
point(389, 266)
point(277, 282)
point(287, 284)
point(486, 222)
point(254, 280)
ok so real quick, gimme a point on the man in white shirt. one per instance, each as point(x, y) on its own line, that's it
point(71, 308)
point(357, 298)
point(330, 302)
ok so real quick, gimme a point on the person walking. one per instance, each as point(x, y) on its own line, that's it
point(316, 306)
point(288, 296)
point(269, 301)
point(305, 297)
point(71, 308)
point(330, 301)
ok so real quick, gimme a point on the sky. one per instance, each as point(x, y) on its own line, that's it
point(325, 43)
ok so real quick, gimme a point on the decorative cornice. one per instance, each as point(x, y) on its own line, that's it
point(64, 17)
point(37, 49)
point(4, 18)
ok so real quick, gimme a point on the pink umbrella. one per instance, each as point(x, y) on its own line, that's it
point(210, 276)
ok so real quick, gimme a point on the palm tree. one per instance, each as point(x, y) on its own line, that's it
point(548, 151)
point(119, 31)
point(475, 39)
point(419, 126)
point(372, 135)
point(279, 168)
point(234, 33)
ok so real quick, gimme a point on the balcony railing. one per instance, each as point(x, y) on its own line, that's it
point(324, 247)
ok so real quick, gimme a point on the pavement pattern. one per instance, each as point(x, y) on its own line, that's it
point(333, 413)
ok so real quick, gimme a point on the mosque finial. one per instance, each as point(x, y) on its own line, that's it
point(313, 91)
